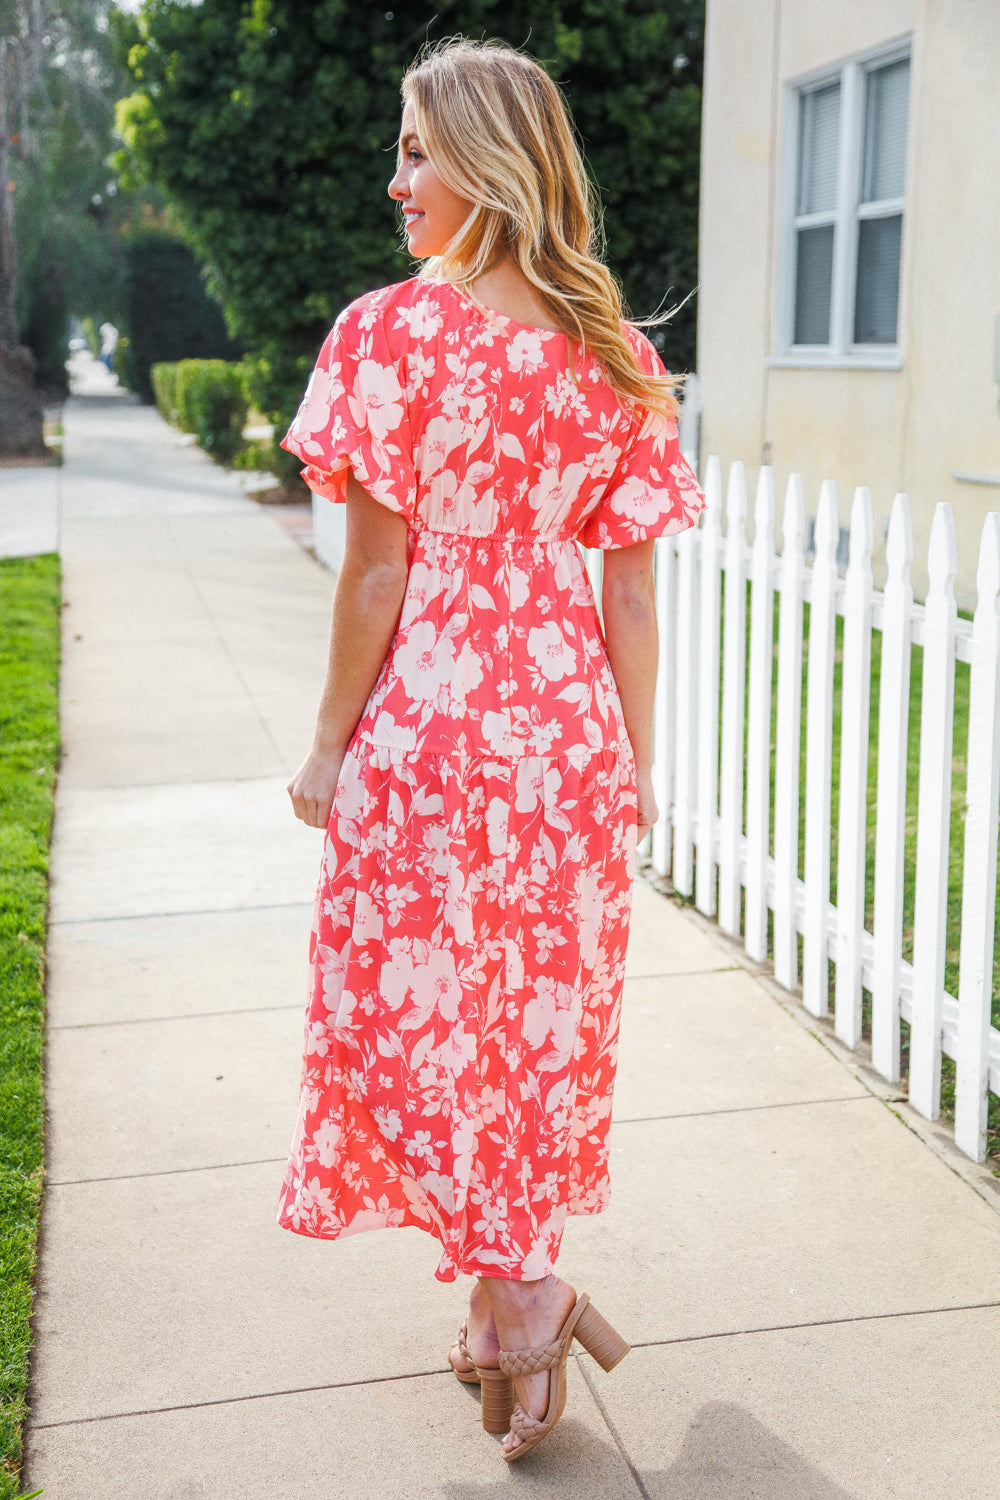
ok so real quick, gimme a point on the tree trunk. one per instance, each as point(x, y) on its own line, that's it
point(20, 408)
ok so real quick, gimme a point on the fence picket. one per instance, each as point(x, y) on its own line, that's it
point(665, 587)
point(819, 753)
point(787, 738)
point(699, 768)
point(734, 631)
point(854, 714)
point(708, 697)
point(933, 816)
point(759, 719)
point(975, 971)
point(890, 809)
point(686, 722)
point(593, 559)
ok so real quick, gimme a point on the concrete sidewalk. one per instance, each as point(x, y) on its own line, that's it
point(813, 1296)
point(29, 509)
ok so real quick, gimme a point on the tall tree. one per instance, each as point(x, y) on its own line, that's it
point(263, 121)
point(71, 218)
point(21, 32)
point(58, 85)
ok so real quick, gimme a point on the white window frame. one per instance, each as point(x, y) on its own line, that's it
point(841, 352)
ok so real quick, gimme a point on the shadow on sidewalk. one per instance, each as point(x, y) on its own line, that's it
point(727, 1454)
point(104, 400)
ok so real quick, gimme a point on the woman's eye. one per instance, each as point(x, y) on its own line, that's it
point(414, 156)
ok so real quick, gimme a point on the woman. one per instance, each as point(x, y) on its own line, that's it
point(482, 759)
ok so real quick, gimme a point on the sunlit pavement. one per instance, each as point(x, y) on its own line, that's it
point(800, 1275)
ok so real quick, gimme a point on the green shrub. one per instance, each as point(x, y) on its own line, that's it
point(123, 363)
point(254, 457)
point(286, 467)
point(183, 371)
point(90, 333)
point(164, 378)
point(168, 313)
point(211, 401)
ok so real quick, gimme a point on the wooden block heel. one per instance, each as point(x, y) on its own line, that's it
point(496, 1389)
point(497, 1398)
point(599, 1338)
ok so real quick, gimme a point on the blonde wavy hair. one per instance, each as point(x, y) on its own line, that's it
point(497, 132)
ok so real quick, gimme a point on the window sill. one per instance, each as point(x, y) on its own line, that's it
point(964, 477)
point(882, 360)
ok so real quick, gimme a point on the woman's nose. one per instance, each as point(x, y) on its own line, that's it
point(397, 187)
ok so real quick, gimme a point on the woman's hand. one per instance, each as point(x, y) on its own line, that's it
point(648, 812)
point(313, 785)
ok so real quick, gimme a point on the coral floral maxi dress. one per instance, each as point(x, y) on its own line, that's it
point(471, 920)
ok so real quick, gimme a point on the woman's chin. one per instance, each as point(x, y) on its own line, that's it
point(418, 245)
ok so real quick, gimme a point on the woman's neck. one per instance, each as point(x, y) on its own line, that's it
point(505, 289)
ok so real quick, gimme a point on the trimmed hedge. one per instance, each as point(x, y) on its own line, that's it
point(164, 381)
point(207, 397)
point(122, 362)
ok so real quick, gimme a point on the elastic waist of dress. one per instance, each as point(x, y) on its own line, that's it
point(511, 538)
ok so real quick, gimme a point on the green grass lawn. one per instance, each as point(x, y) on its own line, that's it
point(955, 857)
point(29, 744)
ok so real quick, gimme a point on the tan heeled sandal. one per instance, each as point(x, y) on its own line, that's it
point(467, 1377)
point(497, 1389)
point(600, 1341)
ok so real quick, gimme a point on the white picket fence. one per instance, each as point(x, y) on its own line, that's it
point(720, 839)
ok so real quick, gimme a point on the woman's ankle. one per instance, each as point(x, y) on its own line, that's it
point(523, 1302)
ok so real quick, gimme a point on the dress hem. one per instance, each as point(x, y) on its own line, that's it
point(450, 1272)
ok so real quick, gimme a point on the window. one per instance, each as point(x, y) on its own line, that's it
point(845, 178)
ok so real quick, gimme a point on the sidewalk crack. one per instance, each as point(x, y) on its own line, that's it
point(739, 1333)
point(746, 1109)
point(215, 1166)
point(237, 671)
point(158, 916)
point(296, 1390)
point(194, 1015)
point(592, 1388)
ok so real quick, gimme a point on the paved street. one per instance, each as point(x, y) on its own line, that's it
point(813, 1295)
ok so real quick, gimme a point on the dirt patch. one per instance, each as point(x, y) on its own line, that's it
point(282, 494)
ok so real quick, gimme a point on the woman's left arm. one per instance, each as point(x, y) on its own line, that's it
point(366, 607)
point(629, 607)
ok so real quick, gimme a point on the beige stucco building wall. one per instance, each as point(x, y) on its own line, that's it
point(908, 428)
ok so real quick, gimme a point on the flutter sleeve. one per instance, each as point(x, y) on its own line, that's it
point(653, 492)
point(353, 416)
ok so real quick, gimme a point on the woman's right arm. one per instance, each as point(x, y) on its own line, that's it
point(366, 609)
point(628, 604)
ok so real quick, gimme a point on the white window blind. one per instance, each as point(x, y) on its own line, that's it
point(880, 222)
point(847, 206)
point(886, 110)
point(819, 133)
point(820, 130)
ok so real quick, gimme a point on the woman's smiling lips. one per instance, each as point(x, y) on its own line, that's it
point(411, 215)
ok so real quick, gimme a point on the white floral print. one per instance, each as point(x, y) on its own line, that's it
point(472, 912)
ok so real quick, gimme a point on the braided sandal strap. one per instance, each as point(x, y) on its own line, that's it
point(524, 1426)
point(516, 1362)
point(463, 1347)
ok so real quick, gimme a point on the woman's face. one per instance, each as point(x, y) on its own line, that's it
point(432, 213)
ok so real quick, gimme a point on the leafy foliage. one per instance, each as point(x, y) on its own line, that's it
point(211, 401)
point(163, 378)
point(166, 309)
point(75, 229)
point(67, 217)
point(264, 122)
